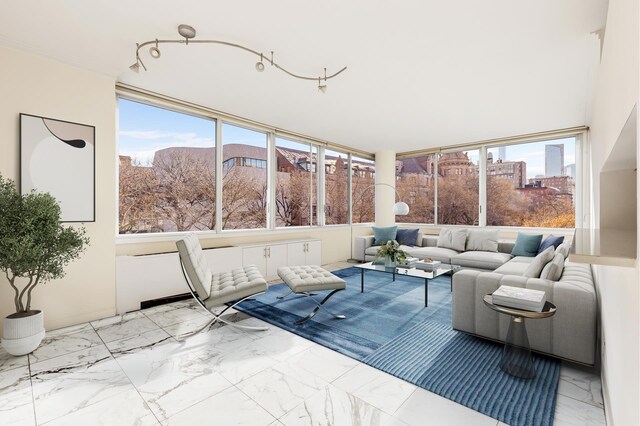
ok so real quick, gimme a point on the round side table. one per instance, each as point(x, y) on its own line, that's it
point(516, 355)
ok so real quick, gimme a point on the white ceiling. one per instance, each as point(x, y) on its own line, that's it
point(421, 73)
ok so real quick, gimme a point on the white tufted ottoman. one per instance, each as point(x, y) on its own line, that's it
point(308, 278)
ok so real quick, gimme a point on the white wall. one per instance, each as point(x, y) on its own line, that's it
point(39, 86)
point(615, 95)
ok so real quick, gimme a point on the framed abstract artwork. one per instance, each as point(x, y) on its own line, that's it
point(58, 157)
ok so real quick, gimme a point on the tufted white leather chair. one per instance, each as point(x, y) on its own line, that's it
point(212, 290)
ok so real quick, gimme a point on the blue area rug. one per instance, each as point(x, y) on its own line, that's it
point(388, 327)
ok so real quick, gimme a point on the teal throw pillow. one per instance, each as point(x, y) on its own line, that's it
point(527, 245)
point(384, 234)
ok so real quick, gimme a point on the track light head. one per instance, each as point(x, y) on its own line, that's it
point(154, 51)
point(186, 31)
point(321, 87)
point(259, 66)
point(135, 67)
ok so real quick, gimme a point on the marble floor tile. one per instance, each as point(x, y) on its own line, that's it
point(16, 402)
point(570, 412)
point(283, 345)
point(140, 342)
point(224, 337)
point(237, 363)
point(423, 405)
point(123, 326)
point(174, 316)
point(280, 390)
point(68, 383)
point(230, 407)
point(323, 362)
point(376, 387)
point(8, 361)
point(126, 408)
point(333, 406)
point(186, 329)
point(171, 378)
point(580, 383)
point(60, 342)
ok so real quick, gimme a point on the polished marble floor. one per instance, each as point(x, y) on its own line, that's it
point(136, 369)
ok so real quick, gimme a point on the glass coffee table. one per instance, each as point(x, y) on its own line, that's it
point(408, 272)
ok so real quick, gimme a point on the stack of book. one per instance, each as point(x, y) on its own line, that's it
point(409, 262)
point(428, 266)
point(520, 298)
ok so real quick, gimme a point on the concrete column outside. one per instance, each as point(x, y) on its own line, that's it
point(385, 196)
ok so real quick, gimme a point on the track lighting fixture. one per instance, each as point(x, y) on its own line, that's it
point(188, 33)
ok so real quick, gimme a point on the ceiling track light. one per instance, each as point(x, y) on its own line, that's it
point(188, 33)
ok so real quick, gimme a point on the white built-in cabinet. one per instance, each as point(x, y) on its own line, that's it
point(268, 257)
point(304, 253)
point(154, 276)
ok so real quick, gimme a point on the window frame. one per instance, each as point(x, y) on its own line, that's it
point(271, 133)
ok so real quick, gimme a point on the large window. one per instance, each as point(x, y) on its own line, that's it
point(458, 184)
point(244, 181)
point(336, 206)
point(363, 174)
point(296, 183)
point(532, 184)
point(415, 183)
point(167, 169)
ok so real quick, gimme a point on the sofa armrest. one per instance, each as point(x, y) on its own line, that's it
point(360, 245)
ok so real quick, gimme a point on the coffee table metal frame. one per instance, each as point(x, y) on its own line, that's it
point(516, 355)
point(408, 272)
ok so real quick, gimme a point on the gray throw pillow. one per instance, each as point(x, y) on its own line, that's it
point(564, 249)
point(553, 270)
point(482, 240)
point(451, 238)
point(538, 263)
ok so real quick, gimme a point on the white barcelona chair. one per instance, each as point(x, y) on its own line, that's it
point(214, 290)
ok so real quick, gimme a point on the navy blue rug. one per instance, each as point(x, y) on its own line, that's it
point(388, 327)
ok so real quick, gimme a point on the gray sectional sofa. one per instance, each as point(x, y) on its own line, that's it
point(570, 334)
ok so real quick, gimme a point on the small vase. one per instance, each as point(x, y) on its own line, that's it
point(388, 263)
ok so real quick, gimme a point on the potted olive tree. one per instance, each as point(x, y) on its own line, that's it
point(34, 249)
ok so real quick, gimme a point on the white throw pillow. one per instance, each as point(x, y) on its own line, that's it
point(482, 240)
point(538, 263)
point(451, 238)
point(564, 249)
point(553, 270)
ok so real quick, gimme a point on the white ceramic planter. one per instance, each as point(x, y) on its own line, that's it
point(23, 335)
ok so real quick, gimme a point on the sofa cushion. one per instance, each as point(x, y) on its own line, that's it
point(451, 238)
point(513, 268)
point(522, 259)
point(384, 234)
point(553, 270)
point(537, 264)
point(527, 245)
point(480, 259)
point(564, 249)
point(551, 240)
point(443, 255)
point(408, 237)
point(482, 240)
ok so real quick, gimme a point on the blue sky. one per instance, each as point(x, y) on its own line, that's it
point(144, 129)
